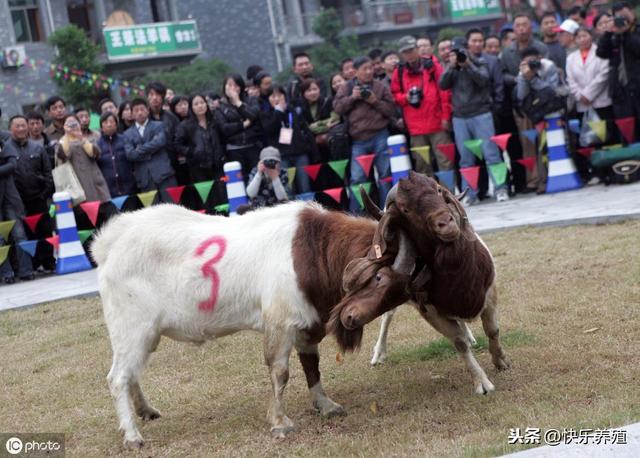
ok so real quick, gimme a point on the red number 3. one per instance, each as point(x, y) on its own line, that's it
point(208, 271)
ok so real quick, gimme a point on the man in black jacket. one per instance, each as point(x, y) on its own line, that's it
point(34, 182)
point(621, 46)
point(37, 135)
point(303, 69)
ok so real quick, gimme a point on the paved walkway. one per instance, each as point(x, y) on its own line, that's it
point(598, 204)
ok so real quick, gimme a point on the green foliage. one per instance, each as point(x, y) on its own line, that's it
point(449, 33)
point(327, 25)
point(200, 76)
point(76, 50)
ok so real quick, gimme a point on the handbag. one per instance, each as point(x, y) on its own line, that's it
point(66, 180)
point(540, 103)
point(587, 136)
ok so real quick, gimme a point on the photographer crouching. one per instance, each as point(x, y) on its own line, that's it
point(268, 182)
point(470, 84)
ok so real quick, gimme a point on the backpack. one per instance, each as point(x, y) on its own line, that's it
point(339, 142)
point(623, 172)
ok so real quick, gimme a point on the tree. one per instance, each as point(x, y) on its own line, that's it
point(200, 76)
point(76, 51)
point(449, 33)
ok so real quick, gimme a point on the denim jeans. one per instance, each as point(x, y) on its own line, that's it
point(25, 266)
point(302, 179)
point(378, 145)
point(476, 127)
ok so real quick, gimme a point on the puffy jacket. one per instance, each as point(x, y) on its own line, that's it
point(303, 140)
point(436, 103)
point(230, 122)
point(615, 48)
point(33, 171)
point(471, 88)
point(201, 147)
point(115, 167)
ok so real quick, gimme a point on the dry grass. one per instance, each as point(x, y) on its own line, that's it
point(554, 284)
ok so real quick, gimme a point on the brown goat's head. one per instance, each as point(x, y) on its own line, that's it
point(422, 207)
point(372, 288)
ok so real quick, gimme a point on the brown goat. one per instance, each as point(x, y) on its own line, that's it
point(458, 269)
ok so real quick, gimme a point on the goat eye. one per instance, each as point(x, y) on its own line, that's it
point(378, 277)
point(406, 210)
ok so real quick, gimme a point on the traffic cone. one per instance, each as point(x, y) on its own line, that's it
point(236, 192)
point(400, 161)
point(71, 255)
point(562, 174)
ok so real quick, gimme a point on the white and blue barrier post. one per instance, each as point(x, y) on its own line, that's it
point(236, 191)
point(562, 175)
point(71, 255)
point(399, 157)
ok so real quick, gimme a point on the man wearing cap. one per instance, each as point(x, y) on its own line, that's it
point(426, 107)
point(267, 181)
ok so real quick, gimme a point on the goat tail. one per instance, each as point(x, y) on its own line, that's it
point(103, 241)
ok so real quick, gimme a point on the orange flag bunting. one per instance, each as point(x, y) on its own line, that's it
point(528, 162)
point(471, 175)
point(312, 170)
point(449, 150)
point(175, 193)
point(365, 162)
point(586, 152)
point(32, 221)
point(334, 193)
point(54, 241)
point(501, 140)
point(91, 209)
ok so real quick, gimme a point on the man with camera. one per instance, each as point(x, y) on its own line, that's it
point(426, 108)
point(267, 182)
point(621, 45)
point(368, 107)
point(468, 78)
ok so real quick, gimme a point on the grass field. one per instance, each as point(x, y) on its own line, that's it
point(554, 285)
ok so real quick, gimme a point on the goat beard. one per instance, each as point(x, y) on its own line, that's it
point(348, 340)
point(449, 256)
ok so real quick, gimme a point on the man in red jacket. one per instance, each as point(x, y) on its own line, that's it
point(426, 108)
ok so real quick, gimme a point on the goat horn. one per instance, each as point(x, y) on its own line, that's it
point(405, 261)
point(462, 194)
point(391, 196)
point(372, 208)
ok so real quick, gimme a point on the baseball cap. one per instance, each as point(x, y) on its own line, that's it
point(569, 26)
point(407, 43)
point(270, 153)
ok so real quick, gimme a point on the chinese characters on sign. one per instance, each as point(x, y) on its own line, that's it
point(567, 436)
point(469, 8)
point(150, 40)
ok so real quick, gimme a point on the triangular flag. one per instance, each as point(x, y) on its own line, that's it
point(542, 125)
point(4, 251)
point(54, 241)
point(355, 192)
point(471, 175)
point(447, 178)
point(52, 210)
point(365, 162)
point(501, 140)
point(528, 162)
point(85, 234)
point(600, 129)
point(5, 229)
point(423, 151)
point(147, 197)
point(499, 172)
point(449, 150)
point(175, 193)
point(627, 127)
point(386, 180)
point(222, 208)
point(574, 126)
point(203, 188)
point(202, 211)
point(91, 209)
point(306, 196)
point(475, 146)
point(312, 170)
point(29, 246)
point(32, 221)
point(531, 134)
point(334, 193)
point(586, 152)
point(543, 140)
point(119, 201)
point(339, 167)
point(291, 174)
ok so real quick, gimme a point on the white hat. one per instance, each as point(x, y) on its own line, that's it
point(569, 26)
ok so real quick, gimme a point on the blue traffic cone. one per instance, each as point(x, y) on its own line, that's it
point(562, 174)
point(236, 192)
point(71, 255)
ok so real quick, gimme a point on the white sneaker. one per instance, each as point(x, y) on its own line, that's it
point(502, 195)
point(594, 181)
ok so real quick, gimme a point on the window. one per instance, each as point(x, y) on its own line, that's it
point(26, 20)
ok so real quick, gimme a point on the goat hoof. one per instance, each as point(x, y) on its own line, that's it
point(280, 432)
point(502, 363)
point(378, 358)
point(337, 411)
point(149, 414)
point(485, 387)
point(134, 444)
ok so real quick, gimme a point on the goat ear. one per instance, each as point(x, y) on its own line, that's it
point(371, 208)
point(464, 220)
point(383, 233)
point(420, 282)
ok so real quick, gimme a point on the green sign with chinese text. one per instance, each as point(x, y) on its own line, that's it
point(471, 8)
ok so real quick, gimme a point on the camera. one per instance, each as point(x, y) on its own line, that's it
point(415, 97)
point(461, 55)
point(270, 163)
point(620, 21)
point(365, 91)
point(427, 63)
point(535, 65)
